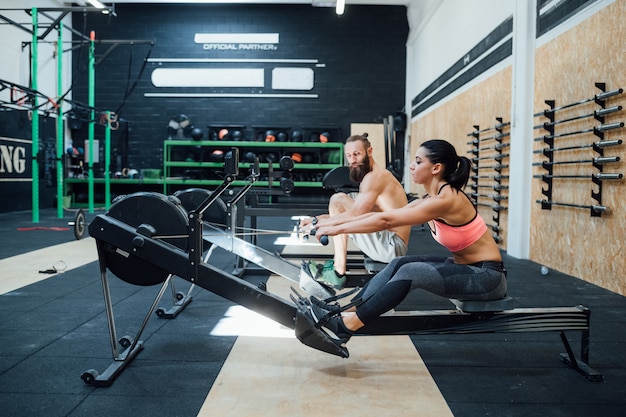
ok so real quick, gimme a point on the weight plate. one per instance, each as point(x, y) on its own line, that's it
point(79, 224)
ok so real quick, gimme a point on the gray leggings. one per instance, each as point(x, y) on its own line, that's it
point(435, 274)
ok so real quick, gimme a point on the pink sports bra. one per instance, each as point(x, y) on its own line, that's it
point(457, 238)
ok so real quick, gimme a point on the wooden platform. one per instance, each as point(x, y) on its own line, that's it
point(280, 376)
point(21, 270)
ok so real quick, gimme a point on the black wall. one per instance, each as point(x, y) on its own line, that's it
point(361, 80)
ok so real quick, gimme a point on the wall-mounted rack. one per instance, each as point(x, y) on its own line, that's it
point(597, 162)
point(490, 157)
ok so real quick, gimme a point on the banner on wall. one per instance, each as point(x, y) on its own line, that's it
point(14, 160)
point(15, 174)
point(238, 41)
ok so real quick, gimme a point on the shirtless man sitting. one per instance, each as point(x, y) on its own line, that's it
point(379, 190)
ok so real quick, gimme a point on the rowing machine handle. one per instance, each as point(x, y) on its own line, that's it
point(323, 238)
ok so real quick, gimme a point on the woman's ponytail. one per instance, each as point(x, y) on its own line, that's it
point(459, 177)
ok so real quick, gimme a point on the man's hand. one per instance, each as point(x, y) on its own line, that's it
point(307, 221)
point(324, 231)
point(306, 225)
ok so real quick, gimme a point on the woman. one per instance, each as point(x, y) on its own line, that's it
point(473, 272)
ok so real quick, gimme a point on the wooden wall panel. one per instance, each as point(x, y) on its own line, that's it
point(567, 67)
point(454, 120)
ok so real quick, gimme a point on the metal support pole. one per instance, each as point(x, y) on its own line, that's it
point(107, 161)
point(92, 118)
point(35, 121)
point(60, 136)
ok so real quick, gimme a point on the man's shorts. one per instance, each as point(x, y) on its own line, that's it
point(381, 246)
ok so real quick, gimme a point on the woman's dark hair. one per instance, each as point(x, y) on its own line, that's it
point(456, 169)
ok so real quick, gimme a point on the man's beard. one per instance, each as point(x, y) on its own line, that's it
point(357, 173)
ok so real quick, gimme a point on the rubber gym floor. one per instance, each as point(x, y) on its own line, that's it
point(55, 329)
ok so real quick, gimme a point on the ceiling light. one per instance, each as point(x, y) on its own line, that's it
point(324, 3)
point(96, 3)
point(341, 7)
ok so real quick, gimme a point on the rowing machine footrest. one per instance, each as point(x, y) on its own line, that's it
point(372, 266)
point(310, 335)
point(475, 306)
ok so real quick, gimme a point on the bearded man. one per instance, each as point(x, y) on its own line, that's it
point(379, 190)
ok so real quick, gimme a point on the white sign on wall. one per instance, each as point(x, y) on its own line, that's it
point(238, 41)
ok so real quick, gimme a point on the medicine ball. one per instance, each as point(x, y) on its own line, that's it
point(217, 156)
point(132, 173)
point(249, 157)
point(296, 157)
point(334, 157)
point(223, 134)
point(296, 136)
point(314, 137)
point(213, 135)
point(196, 133)
point(236, 135)
point(324, 137)
point(270, 136)
point(179, 126)
point(282, 136)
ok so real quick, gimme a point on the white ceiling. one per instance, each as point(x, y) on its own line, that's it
point(348, 2)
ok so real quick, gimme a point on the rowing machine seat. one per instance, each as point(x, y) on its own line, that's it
point(372, 266)
point(475, 306)
point(338, 179)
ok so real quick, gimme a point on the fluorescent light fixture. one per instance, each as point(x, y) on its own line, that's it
point(341, 7)
point(96, 4)
point(324, 3)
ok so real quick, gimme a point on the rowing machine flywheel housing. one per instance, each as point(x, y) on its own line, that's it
point(168, 218)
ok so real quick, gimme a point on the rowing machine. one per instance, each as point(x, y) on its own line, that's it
point(147, 238)
point(469, 317)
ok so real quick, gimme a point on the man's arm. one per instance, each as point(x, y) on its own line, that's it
point(410, 215)
point(309, 220)
point(365, 202)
